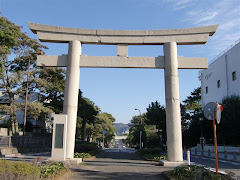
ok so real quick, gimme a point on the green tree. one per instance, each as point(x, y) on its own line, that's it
point(51, 82)
point(87, 112)
point(192, 127)
point(133, 137)
point(103, 122)
point(138, 124)
point(191, 111)
point(228, 130)
point(156, 115)
point(16, 49)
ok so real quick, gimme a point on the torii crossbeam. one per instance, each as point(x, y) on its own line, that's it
point(170, 62)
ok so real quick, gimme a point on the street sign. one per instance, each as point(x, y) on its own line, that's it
point(218, 113)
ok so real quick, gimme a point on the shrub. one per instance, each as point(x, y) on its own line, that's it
point(196, 172)
point(157, 151)
point(86, 147)
point(82, 155)
point(152, 154)
point(52, 170)
point(18, 170)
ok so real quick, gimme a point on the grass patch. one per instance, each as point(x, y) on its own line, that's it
point(194, 172)
point(18, 170)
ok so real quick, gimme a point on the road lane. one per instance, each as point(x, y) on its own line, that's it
point(120, 166)
point(225, 166)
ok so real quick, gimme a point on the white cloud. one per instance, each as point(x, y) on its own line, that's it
point(201, 17)
point(181, 4)
point(222, 12)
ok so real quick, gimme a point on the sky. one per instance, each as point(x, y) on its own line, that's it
point(120, 91)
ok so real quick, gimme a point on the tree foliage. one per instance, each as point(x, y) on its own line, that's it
point(16, 49)
point(156, 115)
point(191, 112)
point(103, 123)
point(228, 130)
point(153, 127)
point(87, 112)
point(51, 82)
point(91, 122)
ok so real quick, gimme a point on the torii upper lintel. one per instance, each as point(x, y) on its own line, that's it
point(187, 36)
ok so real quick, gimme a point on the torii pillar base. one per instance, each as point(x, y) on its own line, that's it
point(167, 163)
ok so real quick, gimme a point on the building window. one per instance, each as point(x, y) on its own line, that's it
point(218, 83)
point(206, 89)
point(234, 75)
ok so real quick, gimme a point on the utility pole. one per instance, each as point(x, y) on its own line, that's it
point(26, 96)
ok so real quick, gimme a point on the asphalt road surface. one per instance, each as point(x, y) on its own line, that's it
point(225, 166)
point(120, 166)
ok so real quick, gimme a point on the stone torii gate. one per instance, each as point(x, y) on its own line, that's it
point(170, 62)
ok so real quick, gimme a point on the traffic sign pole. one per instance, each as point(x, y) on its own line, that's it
point(215, 143)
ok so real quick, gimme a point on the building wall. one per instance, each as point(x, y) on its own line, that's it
point(222, 70)
point(38, 125)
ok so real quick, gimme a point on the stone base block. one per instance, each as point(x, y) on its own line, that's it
point(4, 151)
point(75, 161)
point(171, 164)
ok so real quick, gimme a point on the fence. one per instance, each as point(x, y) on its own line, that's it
point(5, 141)
point(27, 143)
point(230, 156)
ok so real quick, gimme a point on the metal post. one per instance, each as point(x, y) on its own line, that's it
point(215, 144)
point(140, 139)
point(188, 157)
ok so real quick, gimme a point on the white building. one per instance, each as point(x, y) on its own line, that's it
point(37, 125)
point(222, 78)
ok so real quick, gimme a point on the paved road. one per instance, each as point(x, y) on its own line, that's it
point(120, 166)
point(225, 166)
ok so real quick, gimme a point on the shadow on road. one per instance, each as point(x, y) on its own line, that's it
point(120, 155)
point(99, 175)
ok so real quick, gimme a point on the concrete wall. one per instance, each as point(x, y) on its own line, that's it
point(3, 132)
point(222, 70)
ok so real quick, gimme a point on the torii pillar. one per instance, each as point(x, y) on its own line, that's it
point(174, 133)
point(70, 105)
point(122, 38)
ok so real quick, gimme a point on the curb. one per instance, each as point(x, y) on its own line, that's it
point(91, 158)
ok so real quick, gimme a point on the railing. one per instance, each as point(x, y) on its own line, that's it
point(25, 141)
point(223, 52)
point(230, 156)
point(219, 55)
